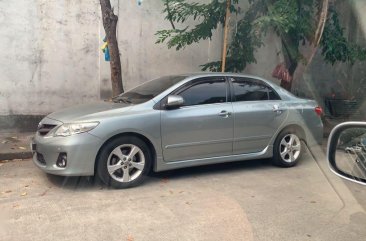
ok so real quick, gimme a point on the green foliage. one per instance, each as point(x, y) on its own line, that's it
point(293, 21)
point(179, 11)
point(335, 46)
point(242, 47)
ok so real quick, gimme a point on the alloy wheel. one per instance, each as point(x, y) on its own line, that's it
point(126, 163)
point(290, 148)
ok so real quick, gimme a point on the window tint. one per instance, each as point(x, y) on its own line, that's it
point(273, 95)
point(252, 90)
point(207, 91)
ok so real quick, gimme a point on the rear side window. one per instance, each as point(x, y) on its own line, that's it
point(246, 89)
point(205, 91)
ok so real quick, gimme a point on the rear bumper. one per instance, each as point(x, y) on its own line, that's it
point(81, 150)
point(314, 136)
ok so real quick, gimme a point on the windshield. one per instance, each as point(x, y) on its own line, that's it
point(148, 90)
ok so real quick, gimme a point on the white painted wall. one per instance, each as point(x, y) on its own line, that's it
point(51, 58)
point(51, 55)
point(144, 60)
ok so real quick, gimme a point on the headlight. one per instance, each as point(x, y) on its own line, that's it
point(74, 128)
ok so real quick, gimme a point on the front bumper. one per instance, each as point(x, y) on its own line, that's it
point(81, 152)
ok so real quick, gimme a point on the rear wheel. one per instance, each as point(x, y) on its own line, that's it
point(124, 162)
point(287, 149)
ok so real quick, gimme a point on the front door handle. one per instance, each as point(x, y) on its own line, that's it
point(225, 114)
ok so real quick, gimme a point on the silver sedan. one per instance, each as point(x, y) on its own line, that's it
point(174, 122)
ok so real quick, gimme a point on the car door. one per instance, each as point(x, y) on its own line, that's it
point(258, 114)
point(203, 127)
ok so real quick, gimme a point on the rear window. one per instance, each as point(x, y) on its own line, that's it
point(246, 89)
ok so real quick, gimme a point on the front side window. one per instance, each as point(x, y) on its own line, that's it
point(246, 89)
point(205, 91)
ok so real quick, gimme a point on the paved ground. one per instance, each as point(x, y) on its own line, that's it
point(15, 145)
point(240, 201)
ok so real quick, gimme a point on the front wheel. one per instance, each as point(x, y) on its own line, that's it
point(124, 162)
point(287, 149)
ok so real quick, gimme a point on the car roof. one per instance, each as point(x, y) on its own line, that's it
point(281, 91)
point(208, 74)
point(218, 74)
point(189, 76)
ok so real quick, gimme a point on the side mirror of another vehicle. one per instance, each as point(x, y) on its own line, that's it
point(347, 151)
point(174, 101)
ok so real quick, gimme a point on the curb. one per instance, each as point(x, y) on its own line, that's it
point(16, 155)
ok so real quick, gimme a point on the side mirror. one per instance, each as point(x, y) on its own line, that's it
point(174, 101)
point(347, 151)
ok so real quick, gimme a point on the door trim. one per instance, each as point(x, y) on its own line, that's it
point(198, 143)
point(252, 138)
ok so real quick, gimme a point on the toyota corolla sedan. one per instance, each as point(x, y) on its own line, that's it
point(174, 122)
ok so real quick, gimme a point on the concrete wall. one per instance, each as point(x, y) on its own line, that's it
point(142, 59)
point(52, 59)
point(51, 54)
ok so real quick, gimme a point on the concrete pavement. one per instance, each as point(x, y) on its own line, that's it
point(15, 145)
point(238, 201)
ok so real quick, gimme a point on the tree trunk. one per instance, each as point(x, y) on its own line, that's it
point(323, 13)
point(290, 61)
point(110, 26)
point(295, 69)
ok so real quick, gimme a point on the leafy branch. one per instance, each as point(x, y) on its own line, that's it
point(335, 46)
point(295, 22)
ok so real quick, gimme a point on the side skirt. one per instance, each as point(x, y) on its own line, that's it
point(161, 165)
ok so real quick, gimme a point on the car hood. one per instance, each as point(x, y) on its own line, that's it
point(88, 111)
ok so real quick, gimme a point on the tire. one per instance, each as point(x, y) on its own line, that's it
point(287, 149)
point(124, 162)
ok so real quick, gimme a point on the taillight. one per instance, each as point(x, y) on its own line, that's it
point(318, 110)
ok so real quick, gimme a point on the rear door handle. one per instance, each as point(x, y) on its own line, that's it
point(225, 114)
point(277, 109)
